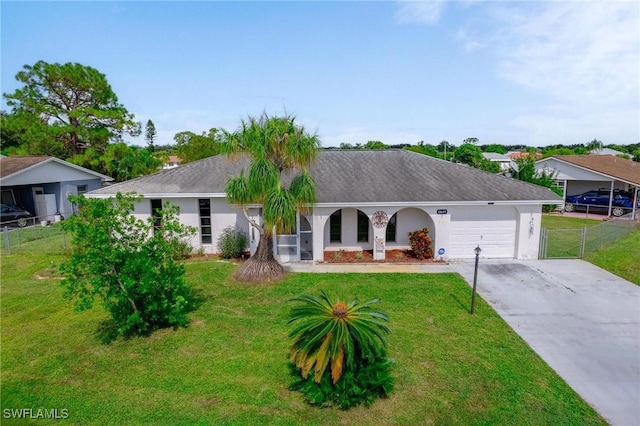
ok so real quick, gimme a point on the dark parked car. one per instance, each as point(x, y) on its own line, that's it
point(14, 215)
point(598, 200)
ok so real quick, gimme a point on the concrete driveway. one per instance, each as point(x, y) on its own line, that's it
point(583, 321)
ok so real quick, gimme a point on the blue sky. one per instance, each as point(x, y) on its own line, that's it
point(536, 73)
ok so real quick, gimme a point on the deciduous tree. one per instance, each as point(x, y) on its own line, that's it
point(192, 147)
point(468, 153)
point(129, 264)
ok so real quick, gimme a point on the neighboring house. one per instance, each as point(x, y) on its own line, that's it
point(577, 174)
point(172, 162)
point(609, 151)
point(503, 160)
point(41, 184)
point(366, 200)
point(514, 155)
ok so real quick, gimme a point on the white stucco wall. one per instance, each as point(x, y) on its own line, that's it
point(502, 231)
point(528, 225)
point(222, 215)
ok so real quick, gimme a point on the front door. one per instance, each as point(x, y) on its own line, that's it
point(254, 234)
point(306, 239)
point(39, 202)
point(297, 245)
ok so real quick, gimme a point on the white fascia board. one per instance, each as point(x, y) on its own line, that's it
point(64, 163)
point(164, 195)
point(441, 203)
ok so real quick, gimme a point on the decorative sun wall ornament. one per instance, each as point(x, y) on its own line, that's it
point(380, 219)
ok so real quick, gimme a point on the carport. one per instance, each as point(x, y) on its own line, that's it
point(577, 174)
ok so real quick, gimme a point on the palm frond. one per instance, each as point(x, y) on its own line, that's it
point(237, 189)
point(303, 189)
point(334, 333)
point(263, 178)
point(280, 211)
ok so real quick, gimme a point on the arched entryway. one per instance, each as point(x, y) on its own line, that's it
point(348, 229)
point(404, 221)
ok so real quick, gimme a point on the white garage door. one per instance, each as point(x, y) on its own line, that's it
point(493, 228)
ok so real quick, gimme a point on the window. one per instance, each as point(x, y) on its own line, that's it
point(335, 227)
point(363, 227)
point(82, 189)
point(205, 221)
point(156, 212)
point(391, 229)
point(8, 198)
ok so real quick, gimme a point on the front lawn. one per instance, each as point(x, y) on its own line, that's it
point(230, 365)
point(555, 221)
point(621, 258)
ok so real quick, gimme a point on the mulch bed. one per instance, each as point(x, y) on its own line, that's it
point(366, 256)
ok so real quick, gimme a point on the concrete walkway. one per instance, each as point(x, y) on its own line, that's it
point(583, 321)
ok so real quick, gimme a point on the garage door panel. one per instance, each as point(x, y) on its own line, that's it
point(493, 230)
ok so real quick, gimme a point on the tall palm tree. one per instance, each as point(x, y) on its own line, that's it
point(275, 145)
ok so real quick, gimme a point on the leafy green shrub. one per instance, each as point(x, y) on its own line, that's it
point(232, 242)
point(366, 383)
point(128, 264)
point(339, 351)
point(420, 243)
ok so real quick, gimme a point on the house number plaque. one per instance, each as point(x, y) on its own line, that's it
point(380, 219)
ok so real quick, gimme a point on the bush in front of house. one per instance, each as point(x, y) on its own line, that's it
point(420, 243)
point(130, 264)
point(232, 242)
point(339, 352)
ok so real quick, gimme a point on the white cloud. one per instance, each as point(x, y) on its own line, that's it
point(580, 59)
point(577, 52)
point(546, 129)
point(419, 12)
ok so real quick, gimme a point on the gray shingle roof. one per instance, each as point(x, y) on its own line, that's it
point(352, 176)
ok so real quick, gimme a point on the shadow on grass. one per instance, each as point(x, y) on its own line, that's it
point(109, 330)
point(466, 307)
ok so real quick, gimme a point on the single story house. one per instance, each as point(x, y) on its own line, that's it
point(41, 184)
point(609, 151)
point(503, 160)
point(577, 174)
point(172, 161)
point(366, 200)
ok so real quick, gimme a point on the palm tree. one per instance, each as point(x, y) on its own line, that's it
point(275, 145)
point(595, 146)
point(336, 333)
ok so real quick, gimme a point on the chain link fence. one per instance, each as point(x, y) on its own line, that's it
point(23, 239)
point(576, 243)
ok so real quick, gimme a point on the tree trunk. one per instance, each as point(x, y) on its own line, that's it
point(262, 266)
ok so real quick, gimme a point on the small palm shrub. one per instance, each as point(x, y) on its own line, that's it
point(420, 243)
point(232, 242)
point(339, 351)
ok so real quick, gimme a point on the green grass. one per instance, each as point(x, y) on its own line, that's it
point(230, 365)
point(565, 222)
point(621, 258)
